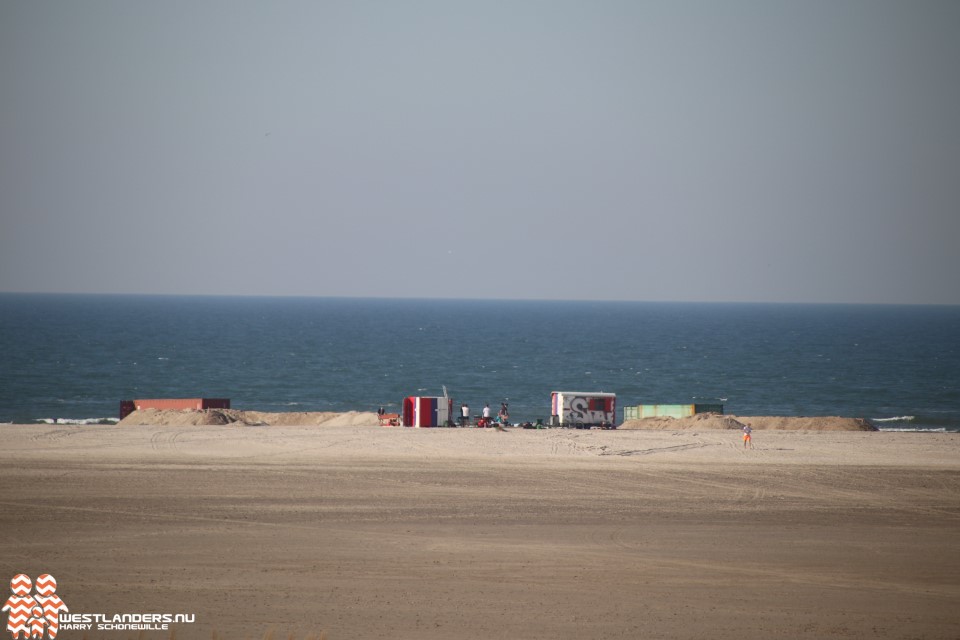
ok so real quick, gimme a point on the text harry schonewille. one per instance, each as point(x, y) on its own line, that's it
point(124, 621)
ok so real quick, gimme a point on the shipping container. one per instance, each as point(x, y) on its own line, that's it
point(424, 411)
point(195, 404)
point(582, 409)
point(642, 411)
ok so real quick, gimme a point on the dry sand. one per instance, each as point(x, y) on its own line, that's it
point(369, 532)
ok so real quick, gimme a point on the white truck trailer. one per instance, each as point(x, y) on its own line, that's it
point(583, 409)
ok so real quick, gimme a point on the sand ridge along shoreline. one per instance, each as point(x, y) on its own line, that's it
point(360, 531)
point(359, 418)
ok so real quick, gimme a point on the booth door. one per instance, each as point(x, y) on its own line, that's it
point(428, 413)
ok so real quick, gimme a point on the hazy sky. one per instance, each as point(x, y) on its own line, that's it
point(801, 151)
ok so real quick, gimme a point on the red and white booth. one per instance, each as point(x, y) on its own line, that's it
point(426, 411)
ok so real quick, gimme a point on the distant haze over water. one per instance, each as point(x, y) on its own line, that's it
point(75, 357)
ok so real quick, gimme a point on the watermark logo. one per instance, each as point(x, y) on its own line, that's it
point(41, 615)
point(36, 615)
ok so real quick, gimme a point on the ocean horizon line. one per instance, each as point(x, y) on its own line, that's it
point(260, 296)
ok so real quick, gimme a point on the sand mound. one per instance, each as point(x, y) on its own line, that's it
point(169, 417)
point(328, 418)
point(714, 421)
point(812, 423)
point(184, 418)
point(699, 421)
point(705, 421)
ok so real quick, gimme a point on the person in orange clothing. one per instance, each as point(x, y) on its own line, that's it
point(747, 438)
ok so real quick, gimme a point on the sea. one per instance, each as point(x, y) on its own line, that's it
point(71, 359)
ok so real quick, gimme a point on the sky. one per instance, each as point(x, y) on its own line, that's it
point(761, 151)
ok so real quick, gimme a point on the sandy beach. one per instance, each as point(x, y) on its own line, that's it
point(359, 531)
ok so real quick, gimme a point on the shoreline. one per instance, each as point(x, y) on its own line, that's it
point(319, 418)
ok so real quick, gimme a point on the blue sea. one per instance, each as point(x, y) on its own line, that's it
point(73, 358)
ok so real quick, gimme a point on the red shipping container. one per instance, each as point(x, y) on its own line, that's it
point(195, 404)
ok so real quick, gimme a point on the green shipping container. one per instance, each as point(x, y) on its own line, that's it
point(668, 410)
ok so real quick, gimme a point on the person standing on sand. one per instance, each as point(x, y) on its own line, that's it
point(464, 414)
point(747, 439)
point(486, 412)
